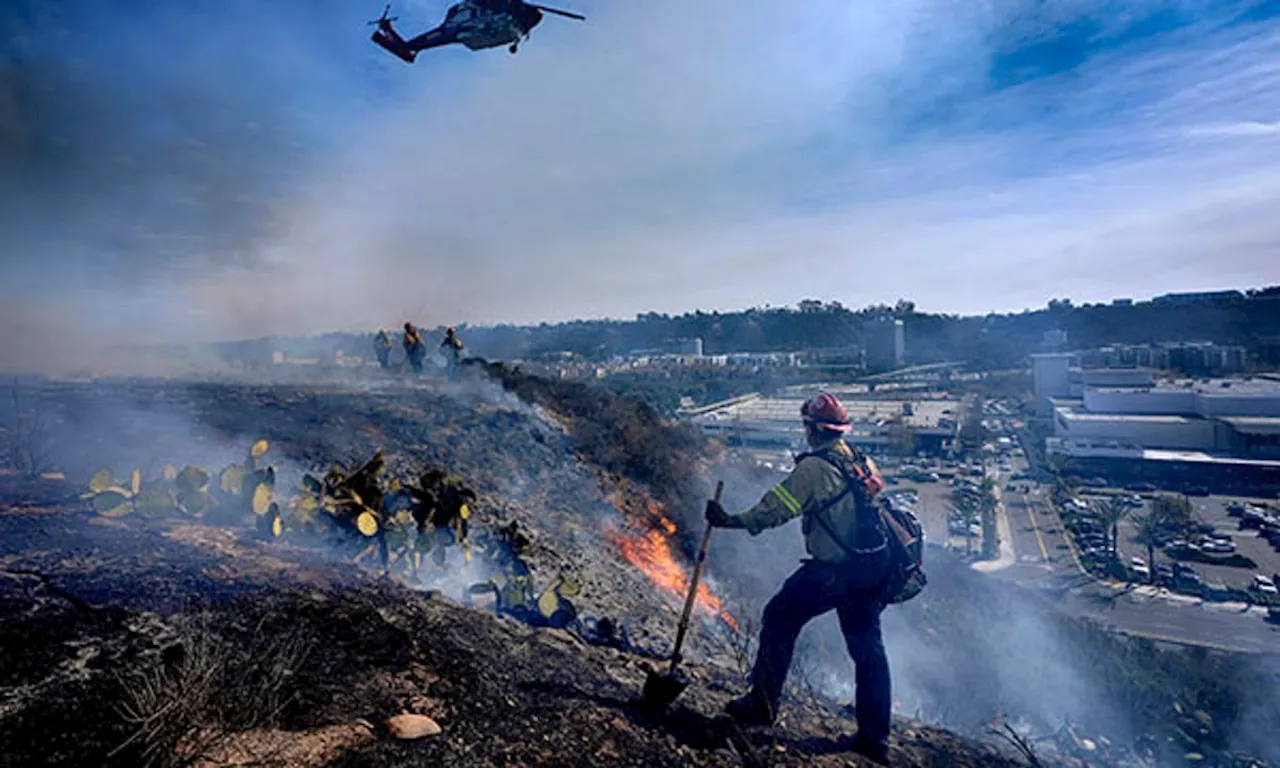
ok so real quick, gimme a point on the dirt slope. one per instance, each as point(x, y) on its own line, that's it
point(320, 653)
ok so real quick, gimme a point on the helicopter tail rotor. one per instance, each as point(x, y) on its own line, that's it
point(556, 11)
point(384, 17)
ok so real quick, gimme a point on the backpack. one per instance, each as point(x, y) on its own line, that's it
point(906, 554)
point(899, 528)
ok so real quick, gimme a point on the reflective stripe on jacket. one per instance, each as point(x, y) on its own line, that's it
point(812, 483)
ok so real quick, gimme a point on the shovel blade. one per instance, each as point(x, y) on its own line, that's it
point(663, 688)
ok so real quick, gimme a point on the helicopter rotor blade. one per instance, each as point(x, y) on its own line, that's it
point(566, 14)
point(384, 16)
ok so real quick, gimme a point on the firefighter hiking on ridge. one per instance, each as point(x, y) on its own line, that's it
point(382, 348)
point(452, 347)
point(831, 489)
point(415, 349)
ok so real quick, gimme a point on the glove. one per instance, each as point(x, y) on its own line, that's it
point(718, 518)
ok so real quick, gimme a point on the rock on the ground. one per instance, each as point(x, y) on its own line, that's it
point(409, 726)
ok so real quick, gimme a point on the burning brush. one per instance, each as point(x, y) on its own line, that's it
point(647, 544)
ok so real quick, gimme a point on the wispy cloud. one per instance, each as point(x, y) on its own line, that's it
point(664, 156)
point(1244, 129)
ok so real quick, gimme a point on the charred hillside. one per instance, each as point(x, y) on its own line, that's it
point(607, 495)
point(174, 643)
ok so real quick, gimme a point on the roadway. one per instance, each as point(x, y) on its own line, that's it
point(1045, 558)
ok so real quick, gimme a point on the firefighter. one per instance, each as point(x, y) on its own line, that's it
point(831, 490)
point(443, 513)
point(382, 348)
point(452, 347)
point(414, 347)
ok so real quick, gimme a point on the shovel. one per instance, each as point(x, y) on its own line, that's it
point(662, 688)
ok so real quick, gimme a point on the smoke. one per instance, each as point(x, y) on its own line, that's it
point(963, 653)
point(171, 173)
point(975, 648)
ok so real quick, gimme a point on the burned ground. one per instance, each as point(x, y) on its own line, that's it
point(88, 604)
point(85, 598)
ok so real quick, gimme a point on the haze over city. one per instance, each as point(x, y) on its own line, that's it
point(176, 174)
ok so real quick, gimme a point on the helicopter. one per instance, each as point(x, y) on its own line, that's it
point(476, 24)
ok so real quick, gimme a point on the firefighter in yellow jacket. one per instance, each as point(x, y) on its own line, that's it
point(452, 347)
point(382, 348)
point(414, 347)
point(831, 489)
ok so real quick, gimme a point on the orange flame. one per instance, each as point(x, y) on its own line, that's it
point(650, 551)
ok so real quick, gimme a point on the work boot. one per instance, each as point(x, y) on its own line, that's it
point(750, 710)
point(873, 751)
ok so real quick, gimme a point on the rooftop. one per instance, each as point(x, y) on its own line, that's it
point(1255, 385)
point(1134, 418)
point(785, 410)
point(1255, 425)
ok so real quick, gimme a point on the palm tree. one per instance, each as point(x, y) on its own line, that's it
point(1166, 510)
point(965, 505)
point(1064, 488)
point(1150, 527)
point(1110, 513)
point(1172, 508)
point(987, 508)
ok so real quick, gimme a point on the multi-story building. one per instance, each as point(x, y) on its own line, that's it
point(1182, 298)
point(1198, 358)
point(1200, 432)
point(886, 344)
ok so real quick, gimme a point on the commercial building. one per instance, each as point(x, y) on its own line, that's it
point(923, 424)
point(1201, 358)
point(1203, 432)
point(1060, 376)
point(1185, 298)
point(886, 344)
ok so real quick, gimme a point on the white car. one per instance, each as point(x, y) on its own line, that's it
point(1139, 566)
point(1218, 546)
point(1264, 584)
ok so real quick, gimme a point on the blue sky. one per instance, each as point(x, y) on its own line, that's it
point(250, 167)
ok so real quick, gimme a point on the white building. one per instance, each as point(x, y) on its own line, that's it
point(1213, 428)
point(1059, 376)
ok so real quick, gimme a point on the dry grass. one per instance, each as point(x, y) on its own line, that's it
point(186, 704)
point(1021, 743)
point(27, 444)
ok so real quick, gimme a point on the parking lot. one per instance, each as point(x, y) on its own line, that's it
point(1213, 511)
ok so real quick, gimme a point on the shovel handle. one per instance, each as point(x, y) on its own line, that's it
point(693, 587)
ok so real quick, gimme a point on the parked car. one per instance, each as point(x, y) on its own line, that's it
point(1196, 490)
point(1139, 567)
point(1264, 584)
point(1218, 546)
point(1188, 580)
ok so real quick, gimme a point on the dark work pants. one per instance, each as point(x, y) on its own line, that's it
point(811, 591)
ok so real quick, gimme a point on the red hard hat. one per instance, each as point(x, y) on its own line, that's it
point(827, 412)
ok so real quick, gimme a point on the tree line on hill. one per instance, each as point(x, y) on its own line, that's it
point(986, 342)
